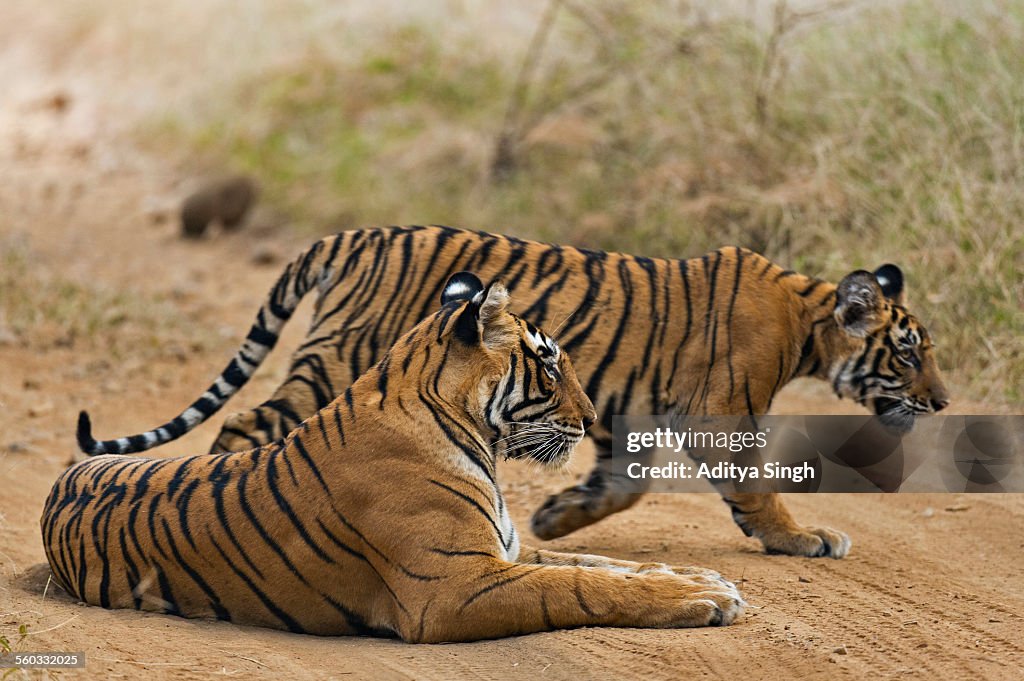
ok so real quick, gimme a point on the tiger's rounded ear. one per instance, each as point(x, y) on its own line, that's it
point(890, 278)
point(484, 318)
point(491, 310)
point(859, 303)
point(461, 286)
point(492, 303)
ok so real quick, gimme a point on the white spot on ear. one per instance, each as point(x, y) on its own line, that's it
point(457, 289)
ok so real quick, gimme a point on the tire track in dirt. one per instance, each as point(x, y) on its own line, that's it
point(640, 655)
point(933, 578)
point(906, 647)
point(924, 603)
point(940, 616)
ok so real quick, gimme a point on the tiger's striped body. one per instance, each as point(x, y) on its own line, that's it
point(291, 535)
point(719, 334)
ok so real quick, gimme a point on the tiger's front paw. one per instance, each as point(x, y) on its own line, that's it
point(699, 575)
point(813, 542)
point(704, 601)
point(645, 568)
point(691, 570)
point(675, 570)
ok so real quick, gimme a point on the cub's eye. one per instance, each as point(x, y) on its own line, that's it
point(906, 355)
point(551, 372)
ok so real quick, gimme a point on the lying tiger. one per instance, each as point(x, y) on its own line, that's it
point(291, 535)
point(719, 334)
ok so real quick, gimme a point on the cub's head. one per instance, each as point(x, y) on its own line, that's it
point(516, 382)
point(885, 358)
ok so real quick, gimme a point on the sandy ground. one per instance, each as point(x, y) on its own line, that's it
point(933, 588)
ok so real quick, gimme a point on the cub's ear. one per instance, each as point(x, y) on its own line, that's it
point(859, 303)
point(461, 286)
point(890, 278)
point(484, 318)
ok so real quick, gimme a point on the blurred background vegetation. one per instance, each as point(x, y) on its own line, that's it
point(827, 136)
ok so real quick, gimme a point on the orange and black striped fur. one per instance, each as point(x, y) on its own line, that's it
point(719, 334)
point(381, 513)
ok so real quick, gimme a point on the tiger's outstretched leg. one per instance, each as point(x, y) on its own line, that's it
point(491, 598)
point(533, 556)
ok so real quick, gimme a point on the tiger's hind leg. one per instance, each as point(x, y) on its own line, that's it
point(314, 379)
point(253, 428)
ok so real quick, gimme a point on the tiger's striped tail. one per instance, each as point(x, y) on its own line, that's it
point(311, 268)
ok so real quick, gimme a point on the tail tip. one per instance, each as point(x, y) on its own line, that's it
point(84, 434)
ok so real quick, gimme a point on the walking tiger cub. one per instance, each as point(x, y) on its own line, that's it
point(380, 514)
point(718, 334)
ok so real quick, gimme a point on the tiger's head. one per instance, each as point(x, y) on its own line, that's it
point(519, 386)
point(883, 357)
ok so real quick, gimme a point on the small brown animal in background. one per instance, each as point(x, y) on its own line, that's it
point(226, 201)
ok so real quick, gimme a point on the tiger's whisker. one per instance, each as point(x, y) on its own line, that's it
point(554, 334)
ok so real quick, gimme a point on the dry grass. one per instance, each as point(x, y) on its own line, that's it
point(830, 141)
point(41, 309)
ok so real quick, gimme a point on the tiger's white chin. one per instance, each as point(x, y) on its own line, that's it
point(899, 420)
point(561, 458)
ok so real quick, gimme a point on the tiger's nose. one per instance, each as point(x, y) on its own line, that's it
point(588, 419)
point(940, 404)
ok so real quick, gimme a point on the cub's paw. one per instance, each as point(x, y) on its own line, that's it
point(565, 512)
point(577, 507)
point(813, 542)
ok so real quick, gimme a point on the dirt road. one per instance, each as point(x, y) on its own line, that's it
point(933, 588)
